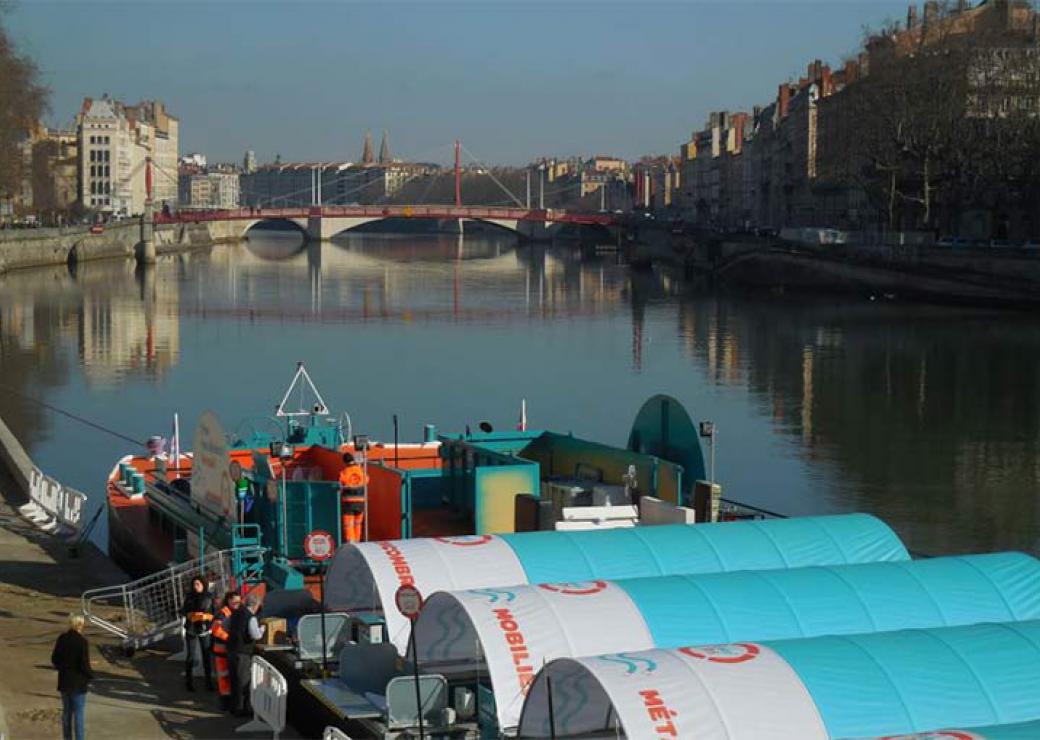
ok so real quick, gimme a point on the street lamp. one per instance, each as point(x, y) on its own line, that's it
point(709, 432)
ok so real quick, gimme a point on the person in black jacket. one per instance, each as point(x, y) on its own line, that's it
point(71, 656)
point(198, 618)
point(243, 631)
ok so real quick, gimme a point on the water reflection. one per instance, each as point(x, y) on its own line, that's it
point(928, 415)
point(925, 416)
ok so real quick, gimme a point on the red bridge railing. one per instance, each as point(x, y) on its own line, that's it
point(424, 212)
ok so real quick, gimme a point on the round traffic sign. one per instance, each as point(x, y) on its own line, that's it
point(409, 601)
point(319, 545)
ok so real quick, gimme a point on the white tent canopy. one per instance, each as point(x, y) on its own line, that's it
point(518, 628)
point(674, 694)
point(365, 576)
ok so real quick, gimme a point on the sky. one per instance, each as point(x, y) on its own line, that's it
point(512, 80)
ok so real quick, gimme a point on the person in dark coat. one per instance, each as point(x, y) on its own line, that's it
point(198, 618)
point(243, 631)
point(71, 656)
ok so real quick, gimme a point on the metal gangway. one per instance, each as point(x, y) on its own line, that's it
point(145, 611)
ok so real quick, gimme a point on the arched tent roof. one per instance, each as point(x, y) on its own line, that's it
point(1016, 731)
point(850, 686)
point(589, 618)
point(365, 576)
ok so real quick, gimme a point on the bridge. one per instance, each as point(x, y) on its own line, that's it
point(323, 222)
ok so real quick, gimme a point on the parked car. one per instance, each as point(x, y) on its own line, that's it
point(1002, 243)
point(97, 229)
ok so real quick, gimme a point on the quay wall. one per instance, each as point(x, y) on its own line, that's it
point(15, 462)
point(987, 276)
point(42, 247)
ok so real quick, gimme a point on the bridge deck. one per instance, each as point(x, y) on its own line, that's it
point(422, 212)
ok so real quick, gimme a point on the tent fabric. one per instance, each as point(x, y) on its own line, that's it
point(1016, 731)
point(868, 685)
point(365, 576)
point(550, 557)
point(870, 597)
point(668, 693)
point(913, 681)
point(553, 620)
point(515, 629)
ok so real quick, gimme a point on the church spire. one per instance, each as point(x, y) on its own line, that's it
point(366, 155)
point(384, 149)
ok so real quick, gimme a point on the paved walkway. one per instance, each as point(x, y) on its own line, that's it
point(138, 697)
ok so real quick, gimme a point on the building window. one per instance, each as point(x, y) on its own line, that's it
point(106, 153)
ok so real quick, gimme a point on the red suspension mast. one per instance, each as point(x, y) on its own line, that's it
point(458, 174)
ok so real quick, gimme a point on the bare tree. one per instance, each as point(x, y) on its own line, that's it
point(23, 100)
point(946, 119)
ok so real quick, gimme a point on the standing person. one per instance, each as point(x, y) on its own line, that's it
point(71, 656)
point(242, 633)
point(221, 624)
point(352, 499)
point(198, 616)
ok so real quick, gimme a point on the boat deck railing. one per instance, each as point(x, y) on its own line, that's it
point(147, 610)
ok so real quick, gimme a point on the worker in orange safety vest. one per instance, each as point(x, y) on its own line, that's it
point(220, 647)
point(351, 483)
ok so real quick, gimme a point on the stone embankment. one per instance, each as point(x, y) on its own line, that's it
point(990, 276)
point(42, 247)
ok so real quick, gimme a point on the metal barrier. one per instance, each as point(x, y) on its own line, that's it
point(52, 507)
point(268, 694)
point(150, 607)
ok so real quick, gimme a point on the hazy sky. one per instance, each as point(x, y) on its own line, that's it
point(514, 81)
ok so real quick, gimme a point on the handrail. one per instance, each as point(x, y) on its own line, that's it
point(151, 606)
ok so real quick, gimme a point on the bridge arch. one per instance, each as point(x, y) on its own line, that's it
point(300, 224)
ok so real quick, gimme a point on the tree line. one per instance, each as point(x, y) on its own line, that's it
point(23, 101)
point(948, 125)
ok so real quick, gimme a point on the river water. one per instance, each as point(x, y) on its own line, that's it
point(926, 416)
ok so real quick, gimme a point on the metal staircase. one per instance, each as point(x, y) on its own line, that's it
point(247, 553)
point(147, 610)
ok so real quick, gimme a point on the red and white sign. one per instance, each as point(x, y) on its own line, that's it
point(319, 545)
point(409, 601)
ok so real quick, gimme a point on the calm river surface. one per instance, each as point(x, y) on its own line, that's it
point(926, 416)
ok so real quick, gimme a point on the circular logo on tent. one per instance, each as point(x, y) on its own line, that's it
point(737, 652)
point(578, 588)
point(465, 540)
